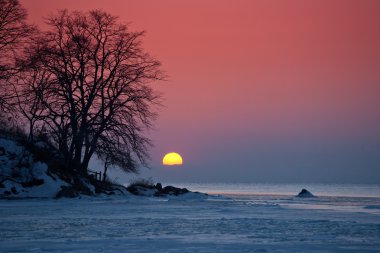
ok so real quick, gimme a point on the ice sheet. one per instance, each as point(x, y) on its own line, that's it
point(217, 224)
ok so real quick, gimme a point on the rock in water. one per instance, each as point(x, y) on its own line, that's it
point(305, 194)
point(159, 186)
point(171, 190)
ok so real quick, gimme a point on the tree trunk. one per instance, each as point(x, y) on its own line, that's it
point(105, 170)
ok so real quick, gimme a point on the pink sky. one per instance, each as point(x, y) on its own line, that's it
point(258, 88)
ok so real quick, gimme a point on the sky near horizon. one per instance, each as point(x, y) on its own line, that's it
point(259, 91)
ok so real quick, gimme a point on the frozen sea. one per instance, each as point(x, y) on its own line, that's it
point(234, 218)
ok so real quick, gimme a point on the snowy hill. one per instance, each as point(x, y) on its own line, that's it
point(21, 176)
point(39, 174)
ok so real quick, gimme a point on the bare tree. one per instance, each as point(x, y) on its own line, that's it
point(92, 89)
point(14, 34)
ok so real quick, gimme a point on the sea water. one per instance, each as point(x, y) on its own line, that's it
point(332, 190)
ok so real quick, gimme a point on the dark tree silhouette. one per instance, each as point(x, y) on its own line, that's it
point(14, 34)
point(85, 84)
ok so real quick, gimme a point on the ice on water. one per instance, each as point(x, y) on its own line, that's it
point(229, 223)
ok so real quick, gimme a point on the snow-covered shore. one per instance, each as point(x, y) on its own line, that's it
point(153, 218)
point(215, 224)
point(23, 175)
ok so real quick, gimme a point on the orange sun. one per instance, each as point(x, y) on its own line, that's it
point(172, 159)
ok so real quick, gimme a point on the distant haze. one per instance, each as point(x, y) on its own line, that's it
point(259, 91)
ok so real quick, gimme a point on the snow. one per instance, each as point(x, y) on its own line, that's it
point(14, 159)
point(254, 223)
point(191, 222)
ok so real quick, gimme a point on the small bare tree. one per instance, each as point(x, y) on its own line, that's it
point(115, 154)
point(89, 78)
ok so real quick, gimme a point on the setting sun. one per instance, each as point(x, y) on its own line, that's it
point(172, 159)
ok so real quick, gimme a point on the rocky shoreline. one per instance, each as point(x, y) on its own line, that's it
point(24, 175)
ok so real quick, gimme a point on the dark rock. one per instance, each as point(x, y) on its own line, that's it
point(171, 190)
point(7, 193)
point(133, 189)
point(2, 185)
point(305, 194)
point(79, 187)
point(51, 175)
point(67, 192)
point(2, 151)
point(15, 174)
point(33, 182)
point(98, 190)
point(159, 191)
point(13, 190)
